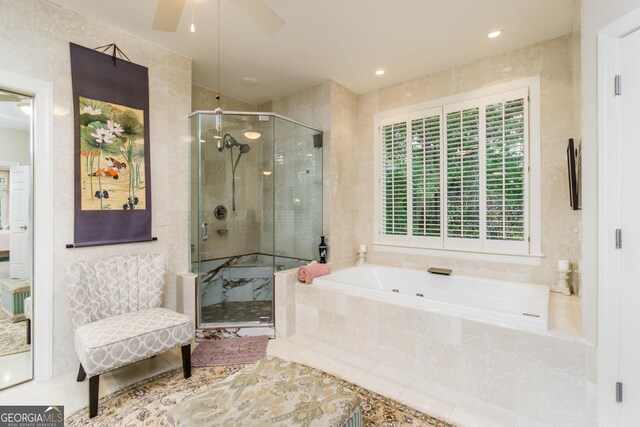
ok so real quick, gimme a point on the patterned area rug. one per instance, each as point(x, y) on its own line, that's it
point(13, 336)
point(145, 403)
point(230, 351)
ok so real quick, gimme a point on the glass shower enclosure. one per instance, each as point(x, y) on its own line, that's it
point(256, 208)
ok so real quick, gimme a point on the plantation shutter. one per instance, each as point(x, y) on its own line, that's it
point(394, 179)
point(426, 175)
point(462, 133)
point(456, 176)
point(506, 172)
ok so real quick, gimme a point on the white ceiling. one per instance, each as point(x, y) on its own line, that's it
point(343, 40)
point(11, 117)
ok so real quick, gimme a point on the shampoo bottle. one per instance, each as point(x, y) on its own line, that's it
point(324, 250)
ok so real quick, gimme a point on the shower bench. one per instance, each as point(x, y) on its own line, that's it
point(272, 392)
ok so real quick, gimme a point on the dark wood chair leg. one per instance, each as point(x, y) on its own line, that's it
point(186, 360)
point(28, 331)
point(94, 386)
point(81, 374)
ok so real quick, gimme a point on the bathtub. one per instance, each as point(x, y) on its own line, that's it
point(507, 303)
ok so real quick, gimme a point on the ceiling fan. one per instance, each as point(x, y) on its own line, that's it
point(168, 15)
point(10, 97)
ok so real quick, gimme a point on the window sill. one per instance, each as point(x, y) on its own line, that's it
point(531, 259)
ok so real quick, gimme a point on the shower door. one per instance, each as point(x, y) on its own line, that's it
point(234, 226)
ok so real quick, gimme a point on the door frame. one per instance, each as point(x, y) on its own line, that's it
point(42, 157)
point(609, 214)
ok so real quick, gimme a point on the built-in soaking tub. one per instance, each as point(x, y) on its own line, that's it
point(516, 304)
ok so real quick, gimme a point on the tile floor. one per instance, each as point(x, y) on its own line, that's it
point(423, 395)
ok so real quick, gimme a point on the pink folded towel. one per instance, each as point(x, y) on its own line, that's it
point(306, 273)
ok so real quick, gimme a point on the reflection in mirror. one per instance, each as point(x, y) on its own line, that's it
point(16, 205)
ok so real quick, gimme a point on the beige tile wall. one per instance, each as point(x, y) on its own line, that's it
point(203, 98)
point(312, 107)
point(347, 120)
point(34, 41)
point(331, 108)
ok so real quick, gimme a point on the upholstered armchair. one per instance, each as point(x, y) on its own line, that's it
point(116, 314)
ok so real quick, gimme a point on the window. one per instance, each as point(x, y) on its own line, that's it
point(457, 176)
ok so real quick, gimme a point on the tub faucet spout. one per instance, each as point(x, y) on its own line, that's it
point(438, 270)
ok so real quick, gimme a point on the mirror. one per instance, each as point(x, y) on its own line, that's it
point(16, 206)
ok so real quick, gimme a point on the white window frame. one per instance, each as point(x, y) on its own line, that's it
point(500, 251)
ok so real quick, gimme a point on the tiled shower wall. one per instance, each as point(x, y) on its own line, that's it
point(332, 108)
point(298, 193)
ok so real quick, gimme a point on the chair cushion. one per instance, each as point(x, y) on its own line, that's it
point(273, 392)
point(116, 341)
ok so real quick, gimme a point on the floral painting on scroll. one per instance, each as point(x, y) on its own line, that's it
point(112, 164)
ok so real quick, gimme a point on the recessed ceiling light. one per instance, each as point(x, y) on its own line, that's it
point(379, 72)
point(249, 81)
point(494, 34)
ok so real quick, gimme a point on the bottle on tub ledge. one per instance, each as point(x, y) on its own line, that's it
point(362, 255)
point(324, 251)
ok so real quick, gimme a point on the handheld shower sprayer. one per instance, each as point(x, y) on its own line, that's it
point(229, 142)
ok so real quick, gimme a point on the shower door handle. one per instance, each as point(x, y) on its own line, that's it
point(205, 231)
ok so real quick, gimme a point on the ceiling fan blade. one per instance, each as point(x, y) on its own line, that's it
point(7, 97)
point(168, 15)
point(260, 14)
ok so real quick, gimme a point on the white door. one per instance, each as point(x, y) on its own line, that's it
point(630, 222)
point(20, 224)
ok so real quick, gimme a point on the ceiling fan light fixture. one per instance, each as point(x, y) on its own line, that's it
point(251, 134)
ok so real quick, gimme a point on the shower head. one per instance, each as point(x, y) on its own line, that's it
point(228, 141)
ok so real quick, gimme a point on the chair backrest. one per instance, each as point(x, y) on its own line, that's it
point(107, 287)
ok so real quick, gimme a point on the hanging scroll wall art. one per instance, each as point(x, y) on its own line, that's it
point(111, 156)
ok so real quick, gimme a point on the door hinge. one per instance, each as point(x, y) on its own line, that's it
point(618, 238)
point(618, 84)
point(618, 392)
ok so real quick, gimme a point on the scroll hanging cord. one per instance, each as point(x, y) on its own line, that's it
point(116, 52)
